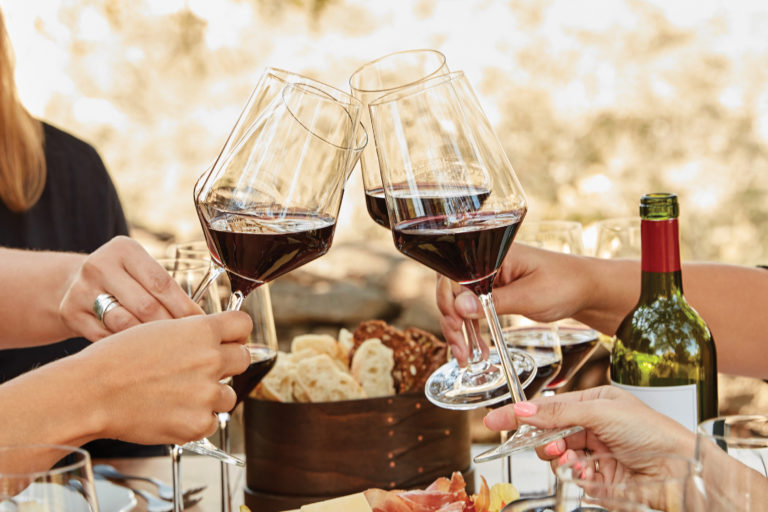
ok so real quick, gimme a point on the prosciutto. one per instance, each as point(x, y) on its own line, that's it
point(442, 495)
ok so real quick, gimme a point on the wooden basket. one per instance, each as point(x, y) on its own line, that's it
point(298, 451)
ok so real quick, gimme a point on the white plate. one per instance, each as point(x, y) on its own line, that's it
point(114, 498)
point(111, 497)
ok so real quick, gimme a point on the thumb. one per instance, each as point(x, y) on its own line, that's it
point(468, 305)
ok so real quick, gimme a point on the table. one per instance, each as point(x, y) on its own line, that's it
point(196, 469)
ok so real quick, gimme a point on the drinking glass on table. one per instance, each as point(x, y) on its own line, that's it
point(577, 341)
point(455, 205)
point(733, 451)
point(618, 237)
point(46, 477)
point(600, 483)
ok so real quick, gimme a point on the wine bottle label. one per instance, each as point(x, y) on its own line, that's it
point(677, 402)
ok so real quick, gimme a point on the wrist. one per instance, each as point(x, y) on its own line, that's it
point(68, 266)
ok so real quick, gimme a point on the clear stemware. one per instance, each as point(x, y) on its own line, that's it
point(455, 205)
point(375, 79)
point(577, 341)
point(269, 88)
point(670, 483)
point(728, 442)
point(46, 477)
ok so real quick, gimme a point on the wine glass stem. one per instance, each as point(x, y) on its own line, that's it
point(214, 271)
point(178, 502)
point(226, 492)
point(235, 301)
point(476, 362)
point(515, 388)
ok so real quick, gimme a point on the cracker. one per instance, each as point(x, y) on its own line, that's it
point(372, 368)
point(321, 380)
point(277, 385)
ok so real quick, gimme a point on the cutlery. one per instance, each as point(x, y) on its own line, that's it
point(155, 504)
point(164, 490)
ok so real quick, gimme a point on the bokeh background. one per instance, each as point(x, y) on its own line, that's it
point(596, 102)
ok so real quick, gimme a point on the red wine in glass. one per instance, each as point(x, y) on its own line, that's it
point(465, 248)
point(445, 200)
point(262, 360)
point(258, 246)
point(576, 344)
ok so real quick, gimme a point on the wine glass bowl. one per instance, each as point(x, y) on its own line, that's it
point(576, 340)
point(46, 477)
point(375, 79)
point(618, 237)
point(270, 204)
point(743, 438)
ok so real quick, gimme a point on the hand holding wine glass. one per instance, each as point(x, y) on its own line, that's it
point(437, 150)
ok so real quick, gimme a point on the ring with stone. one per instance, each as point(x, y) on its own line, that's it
point(103, 304)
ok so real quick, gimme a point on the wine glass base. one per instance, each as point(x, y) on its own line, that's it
point(449, 386)
point(524, 439)
point(205, 447)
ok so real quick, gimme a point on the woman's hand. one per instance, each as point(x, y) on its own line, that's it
point(143, 288)
point(159, 382)
point(542, 285)
point(614, 421)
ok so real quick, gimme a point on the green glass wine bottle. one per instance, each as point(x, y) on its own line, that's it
point(664, 352)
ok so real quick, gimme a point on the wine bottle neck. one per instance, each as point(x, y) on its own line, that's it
point(660, 258)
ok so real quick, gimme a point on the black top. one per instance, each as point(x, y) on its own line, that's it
point(78, 211)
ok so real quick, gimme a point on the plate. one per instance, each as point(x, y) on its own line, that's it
point(114, 498)
point(111, 497)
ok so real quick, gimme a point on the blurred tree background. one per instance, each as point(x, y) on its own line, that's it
point(596, 102)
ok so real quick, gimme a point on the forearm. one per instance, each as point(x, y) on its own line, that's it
point(34, 283)
point(58, 403)
point(730, 298)
point(611, 289)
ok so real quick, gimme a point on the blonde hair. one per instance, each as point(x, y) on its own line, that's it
point(22, 158)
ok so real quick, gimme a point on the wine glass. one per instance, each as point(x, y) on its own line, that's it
point(46, 477)
point(577, 341)
point(455, 205)
point(618, 237)
point(270, 87)
point(369, 82)
point(375, 79)
point(727, 440)
point(188, 272)
point(583, 487)
point(270, 204)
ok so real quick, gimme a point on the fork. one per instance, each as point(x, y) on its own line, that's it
point(155, 504)
point(164, 490)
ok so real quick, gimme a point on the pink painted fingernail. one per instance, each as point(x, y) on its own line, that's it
point(525, 409)
point(555, 447)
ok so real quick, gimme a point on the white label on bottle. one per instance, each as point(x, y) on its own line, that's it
point(677, 402)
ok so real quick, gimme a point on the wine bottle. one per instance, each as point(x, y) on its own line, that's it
point(664, 352)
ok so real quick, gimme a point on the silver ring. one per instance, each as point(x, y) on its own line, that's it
point(103, 304)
